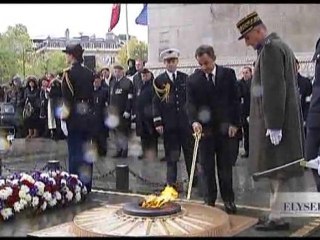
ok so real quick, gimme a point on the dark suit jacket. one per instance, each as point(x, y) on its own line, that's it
point(215, 108)
point(305, 90)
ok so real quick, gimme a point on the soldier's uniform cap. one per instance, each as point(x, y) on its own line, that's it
point(145, 70)
point(118, 66)
point(246, 24)
point(74, 49)
point(170, 53)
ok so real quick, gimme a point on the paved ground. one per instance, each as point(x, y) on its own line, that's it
point(252, 197)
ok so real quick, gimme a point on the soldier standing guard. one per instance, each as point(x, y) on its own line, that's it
point(121, 94)
point(77, 94)
point(170, 117)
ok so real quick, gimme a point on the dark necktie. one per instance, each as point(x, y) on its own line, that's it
point(210, 79)
point(173, 77)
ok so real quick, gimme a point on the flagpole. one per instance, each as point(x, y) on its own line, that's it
point(127, 28)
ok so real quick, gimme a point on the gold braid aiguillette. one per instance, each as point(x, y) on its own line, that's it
point(162, 93)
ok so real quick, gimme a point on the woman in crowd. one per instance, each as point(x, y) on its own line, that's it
point(31, 110)
point(43, 107)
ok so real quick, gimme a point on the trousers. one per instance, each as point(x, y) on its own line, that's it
point(79, 163)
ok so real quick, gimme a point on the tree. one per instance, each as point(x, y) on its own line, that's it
point(137, 50)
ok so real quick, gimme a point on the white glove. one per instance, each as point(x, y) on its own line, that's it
point(126, 115)
point(248, 119)
point(275, 136)
point(64, 128)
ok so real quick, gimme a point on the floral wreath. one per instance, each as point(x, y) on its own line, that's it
point(38, 191)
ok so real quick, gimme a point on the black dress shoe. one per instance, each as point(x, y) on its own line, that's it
point(230, 207)
point(140, 157)
point(211, 204)
point(272, 226)
point(117, 155)
point(162, 159)
point(245, 155)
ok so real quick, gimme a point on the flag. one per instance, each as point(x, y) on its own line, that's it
point(115, 15)
point(142, 19)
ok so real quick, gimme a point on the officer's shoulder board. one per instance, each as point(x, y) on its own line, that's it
point(65, 77)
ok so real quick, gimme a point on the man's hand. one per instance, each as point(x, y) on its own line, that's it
point(126, 115)
point(275, 136)
point(197, 127)
point(232, 131)
point(160, 129)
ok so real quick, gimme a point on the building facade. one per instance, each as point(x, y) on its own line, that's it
point(186, 26)
point(104, 49)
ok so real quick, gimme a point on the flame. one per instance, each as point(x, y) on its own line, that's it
point(167, 195)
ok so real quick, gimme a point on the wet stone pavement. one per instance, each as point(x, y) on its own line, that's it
point(145, 177)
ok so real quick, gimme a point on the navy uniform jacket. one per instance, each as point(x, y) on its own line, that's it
point(77, 94)
point(144, 117)
point(305, 90)
point(313, 120)
point(171, 112)
point(121, 94)
point(215, 108)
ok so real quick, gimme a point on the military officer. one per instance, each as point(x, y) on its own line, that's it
point(169, 114)
point(276, 125)
point(77, 94)
point(121, 94)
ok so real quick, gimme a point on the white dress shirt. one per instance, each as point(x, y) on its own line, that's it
point(170, 74)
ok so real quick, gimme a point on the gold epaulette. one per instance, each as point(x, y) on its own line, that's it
point(66, 77)
point(162, 93)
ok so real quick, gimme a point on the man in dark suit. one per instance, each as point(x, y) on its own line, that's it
point(77, 95)
point(305, 90)
point(213, 109)
point(121, 94)
point(170, 117)
point(313, 121)
point(137, 83)
point(245, 85)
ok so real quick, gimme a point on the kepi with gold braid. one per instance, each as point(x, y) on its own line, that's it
point(246, 24)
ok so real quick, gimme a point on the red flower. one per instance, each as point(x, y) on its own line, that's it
point(27, 183)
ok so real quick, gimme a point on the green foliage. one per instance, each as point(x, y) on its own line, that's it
point(17, 56)
point(137, 50)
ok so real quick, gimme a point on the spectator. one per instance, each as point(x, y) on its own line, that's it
point(32, 107)
point(44, 107)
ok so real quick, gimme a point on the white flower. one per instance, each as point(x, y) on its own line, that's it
point(17, 206)
point(44, 175)
point(23, 202)
point(64, 174)
point(47, 196)
point(79, 183)
point(24, 188)
point(27, 177)
point(2, 182)
point(22, 194)
point(78, 197)
point(69, 195)
point(40, 186)
point(58, 195)
point(84, 190)
point(74, 175)
point(63, 182)
point(44, 206)
point(5, 193)
point(77, 189)
point(28, 198)
point(53, 181)
point(35, 201)
point(6, 213)
point(53, 202)
point(15, 182)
